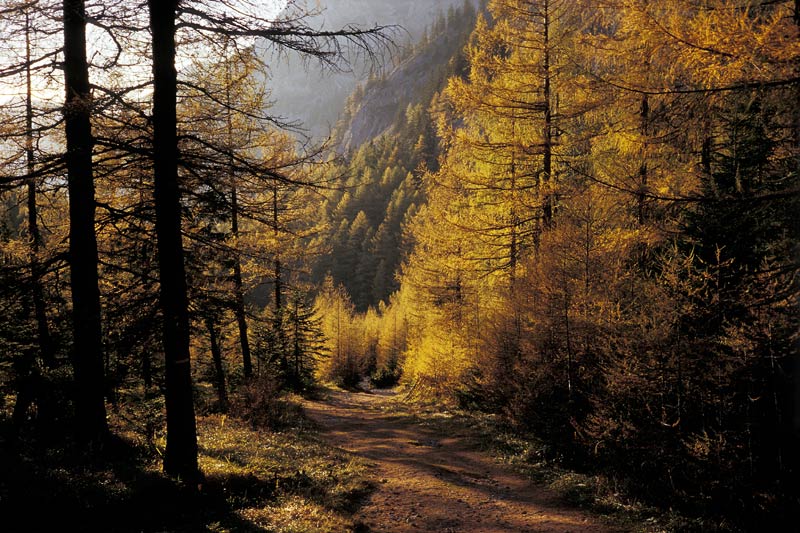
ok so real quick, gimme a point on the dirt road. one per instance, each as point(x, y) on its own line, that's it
point(434, 482)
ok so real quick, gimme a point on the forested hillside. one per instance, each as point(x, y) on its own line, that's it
point(567, 227)
point(311, 95)
point(606, 247)
point(388, 138)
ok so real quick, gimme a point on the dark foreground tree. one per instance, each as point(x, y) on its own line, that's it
point(206, 21)
point(87, 356)
point(180, 459)
point(26, 122)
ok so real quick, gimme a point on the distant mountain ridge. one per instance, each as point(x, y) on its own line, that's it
point(386, 133)
point(411, 82)
point(306, 94)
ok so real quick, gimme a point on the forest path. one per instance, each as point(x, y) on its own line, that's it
point(435, 482)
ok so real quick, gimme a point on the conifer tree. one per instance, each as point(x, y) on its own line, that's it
point(87, 355)
point(180, 459)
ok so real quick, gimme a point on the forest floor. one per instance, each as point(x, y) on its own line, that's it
point(359, 462)
point(432, 477)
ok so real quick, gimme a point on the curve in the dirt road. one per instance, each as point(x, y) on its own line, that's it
point(437, 483)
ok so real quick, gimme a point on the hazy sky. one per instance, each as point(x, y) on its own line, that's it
point(101, 49)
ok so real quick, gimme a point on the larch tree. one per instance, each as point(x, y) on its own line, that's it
point(222, 117)
point(252, 195)
point(511, 133)
point(705, 159)
point(30, 118)
point(238, 287)
point(207, 21)
point(87, 342)
point(31, 185)
point(180, 459)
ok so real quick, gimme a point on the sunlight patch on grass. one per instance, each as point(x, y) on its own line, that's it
point(284, 482)
point(255, 480)
point(296, 514)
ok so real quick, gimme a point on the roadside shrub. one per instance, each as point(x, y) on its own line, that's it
point(261, 403)
point(385, 378)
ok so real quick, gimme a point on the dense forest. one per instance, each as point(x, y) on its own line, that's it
point(580, 217)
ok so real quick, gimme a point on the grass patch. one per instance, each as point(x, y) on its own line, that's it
point(610, 499)
point(268, 477)
point(256, 480)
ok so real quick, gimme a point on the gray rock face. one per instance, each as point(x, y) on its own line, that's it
point(377, 111)
point(306, 93)
point(413, 15)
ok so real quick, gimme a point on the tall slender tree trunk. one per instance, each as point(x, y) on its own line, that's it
point(277, 265)
point(548, 181)
point(795, 363)
point(238, 286)
point(279, 320)
point(28, 384)
point(87, 356)
point(513, 251)
point(644, 116)
point(180, 459)
point(34, 235)
point(216, 355)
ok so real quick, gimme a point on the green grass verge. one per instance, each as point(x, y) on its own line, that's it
point(610, 499)
point(287, 481)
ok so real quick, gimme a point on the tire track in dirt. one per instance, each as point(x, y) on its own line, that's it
point(434, 482)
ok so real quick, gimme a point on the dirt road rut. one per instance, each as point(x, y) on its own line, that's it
point(434, 482)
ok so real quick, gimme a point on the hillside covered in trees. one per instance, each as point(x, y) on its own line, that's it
point(605, 246)
point(389, 138)
point(577, 219)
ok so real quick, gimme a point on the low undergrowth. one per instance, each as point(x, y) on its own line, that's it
point(281, 481)
point(611, 498)
point(284, 481)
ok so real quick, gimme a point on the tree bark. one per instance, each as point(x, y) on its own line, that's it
point(180, 458)
point(87, 356)
point(549, 200)
point(795, 364)
point(238, 287)
point(216, 355)
point(277, 254)
point(34, 235)
point(28, 379)
point(644, 115)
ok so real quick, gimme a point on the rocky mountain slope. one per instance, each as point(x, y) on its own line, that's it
point(375, 110)
point(306, 93)
point(387, 134)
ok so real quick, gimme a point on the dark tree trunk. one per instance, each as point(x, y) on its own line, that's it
point(37, 294)
point(216, 355)
point(27, 376)
point(87, 357)
point(276, 231)
point(238, 287)
point(644, 115)
point(547, 163)
point(180, 458)
point(278, 324)
point(795, 364)
point(239, 310)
